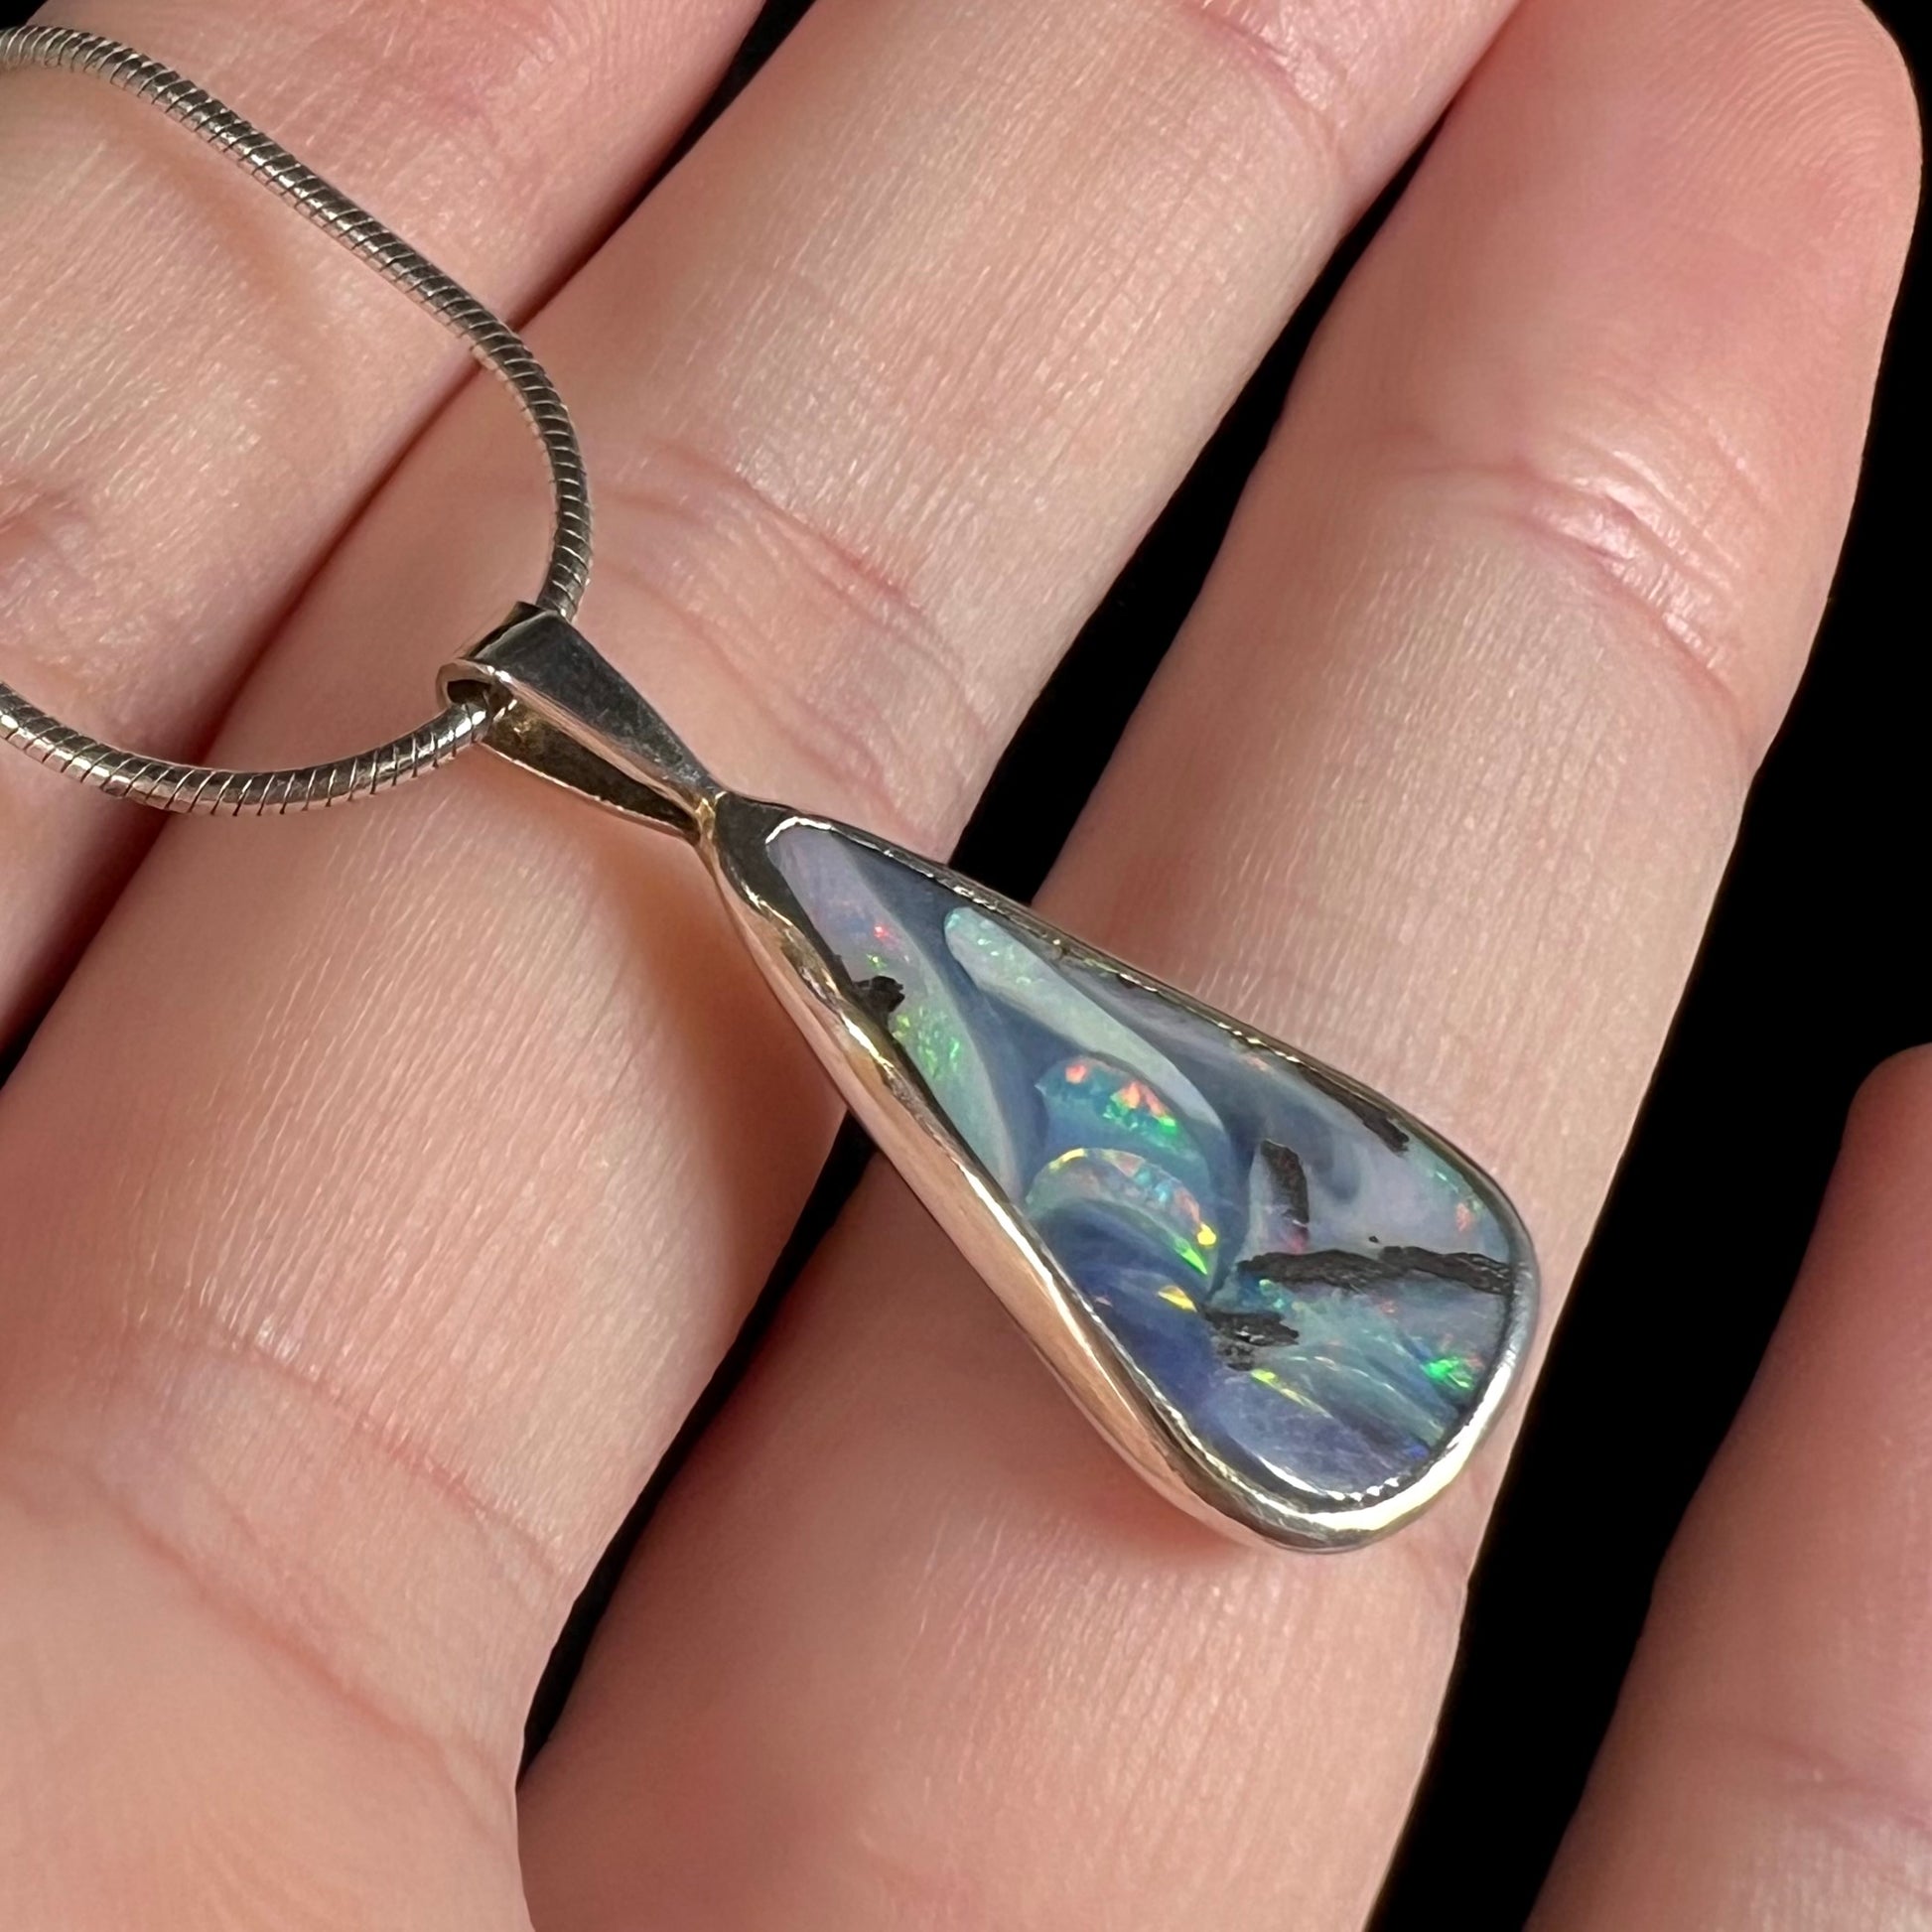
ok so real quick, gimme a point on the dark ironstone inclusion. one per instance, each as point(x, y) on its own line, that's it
point(1315, 1288)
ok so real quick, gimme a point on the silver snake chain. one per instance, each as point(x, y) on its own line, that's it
point(174, 787)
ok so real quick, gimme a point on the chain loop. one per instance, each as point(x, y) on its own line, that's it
point(175, 787)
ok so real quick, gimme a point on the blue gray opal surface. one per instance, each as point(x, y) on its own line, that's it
point(1316, 1289)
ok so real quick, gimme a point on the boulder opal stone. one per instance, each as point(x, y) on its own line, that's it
point(1314, 1288)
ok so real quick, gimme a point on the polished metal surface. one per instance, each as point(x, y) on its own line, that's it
point(560, 710)
point(172, 786)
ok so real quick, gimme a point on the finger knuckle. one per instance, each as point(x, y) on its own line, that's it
point(1857, 1824)
point(1631, 527)
point(818, 644)
point(1294, 55)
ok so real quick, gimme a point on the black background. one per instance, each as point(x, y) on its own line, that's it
point(1811, 975)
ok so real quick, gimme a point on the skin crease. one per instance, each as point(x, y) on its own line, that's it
point(1777, 1707)
point(330, 1367)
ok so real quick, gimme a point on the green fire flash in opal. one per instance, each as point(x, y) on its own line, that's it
point(1091, 1101)
point(1138, 1191)
point(931, 1042)
point(1451, 1372)
point(1142, 1107)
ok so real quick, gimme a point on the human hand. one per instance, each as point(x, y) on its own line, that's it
point(384, 1187)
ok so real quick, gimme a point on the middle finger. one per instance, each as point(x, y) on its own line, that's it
point(440, 1135)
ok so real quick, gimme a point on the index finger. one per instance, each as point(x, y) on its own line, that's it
point(200, 393)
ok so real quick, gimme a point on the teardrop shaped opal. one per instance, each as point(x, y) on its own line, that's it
point(1311, 1294)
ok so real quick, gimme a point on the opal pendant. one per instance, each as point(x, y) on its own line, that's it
point(1290, 1305)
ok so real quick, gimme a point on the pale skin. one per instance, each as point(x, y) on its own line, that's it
point(448, 1140)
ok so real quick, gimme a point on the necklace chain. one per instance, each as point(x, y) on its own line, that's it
point(177, 787)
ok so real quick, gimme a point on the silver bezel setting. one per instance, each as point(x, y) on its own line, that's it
point(886, 1094)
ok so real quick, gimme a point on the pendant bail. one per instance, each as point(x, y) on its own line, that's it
point(562, 711)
